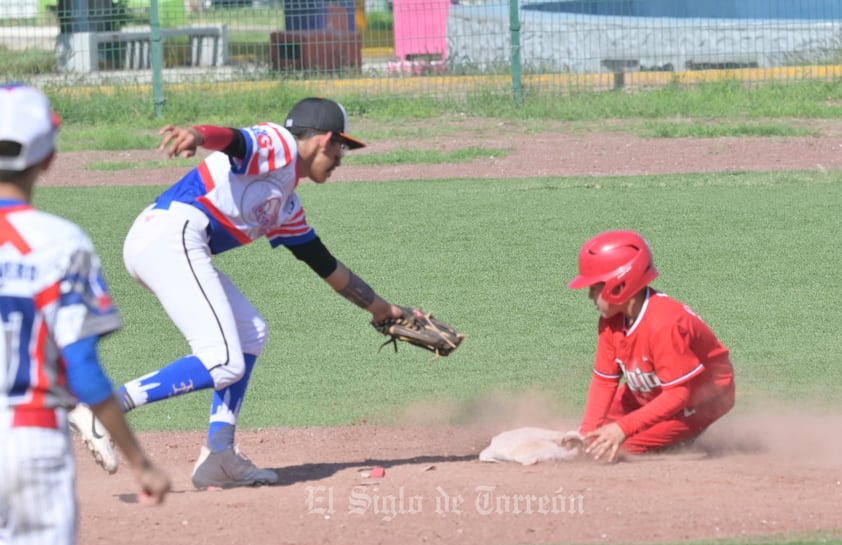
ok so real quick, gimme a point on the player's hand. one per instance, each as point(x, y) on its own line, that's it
point(182, 141)
point(154, 484)
point(605, 441)
point(386, 312)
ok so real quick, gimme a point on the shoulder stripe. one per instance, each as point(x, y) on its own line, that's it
point(283, 141)
point(254, 160)
point(10, 235)
point(254, 165)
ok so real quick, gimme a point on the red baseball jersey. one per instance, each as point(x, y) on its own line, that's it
point(668, 345)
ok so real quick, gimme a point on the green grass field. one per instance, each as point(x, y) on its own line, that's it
point(98, 118)
point(753, 254)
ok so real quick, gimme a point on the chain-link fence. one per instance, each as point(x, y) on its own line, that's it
point(419, 46)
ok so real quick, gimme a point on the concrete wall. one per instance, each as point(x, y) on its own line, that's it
point(479, 36)
point(707, 9)
point(18, 9)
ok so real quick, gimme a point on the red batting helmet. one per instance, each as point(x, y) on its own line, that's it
point(618, 258)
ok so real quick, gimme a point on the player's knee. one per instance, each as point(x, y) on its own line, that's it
point(255, 338)
point(228, 372)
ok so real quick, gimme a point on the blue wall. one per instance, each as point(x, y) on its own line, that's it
point(707, 9)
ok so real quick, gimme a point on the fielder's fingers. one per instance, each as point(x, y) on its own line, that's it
point(188, 152)
point(147, 498)
point(171, 137)
point(182, 146)
point(154, 485)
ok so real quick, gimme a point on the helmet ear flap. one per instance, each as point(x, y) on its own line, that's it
point(614, 291)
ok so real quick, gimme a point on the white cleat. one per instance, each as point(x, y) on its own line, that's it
point(95, 437)
point(228, 469)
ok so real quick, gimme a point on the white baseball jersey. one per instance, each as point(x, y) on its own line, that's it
point(51, 295)
point(250, 198)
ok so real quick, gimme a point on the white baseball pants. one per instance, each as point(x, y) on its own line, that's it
point(167, 252)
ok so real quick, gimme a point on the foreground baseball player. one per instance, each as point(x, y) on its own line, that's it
point(54, 308)
point(242, 192)
point(678, 376)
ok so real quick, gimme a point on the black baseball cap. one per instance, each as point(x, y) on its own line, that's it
point(322, 114)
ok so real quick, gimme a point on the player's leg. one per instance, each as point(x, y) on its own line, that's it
point(665, 434)
point(96, 438)
point(227, 402)
point(220, 462)
point(657, 437)
point(41, 507)
point(168, 254)
point(682, 428)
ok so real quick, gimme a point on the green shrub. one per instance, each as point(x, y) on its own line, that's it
point(14, 64)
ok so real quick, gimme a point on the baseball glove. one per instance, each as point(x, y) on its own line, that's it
point(420, 329)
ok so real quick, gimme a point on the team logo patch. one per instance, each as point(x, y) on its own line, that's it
point(639, 380)
point(267, 213)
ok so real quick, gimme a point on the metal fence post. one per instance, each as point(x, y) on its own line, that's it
point(517, 69)
point(156, 57)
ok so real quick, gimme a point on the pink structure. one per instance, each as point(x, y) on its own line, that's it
point(421, 29)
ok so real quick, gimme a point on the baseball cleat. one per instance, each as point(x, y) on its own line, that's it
point(228, 469)
point(95, 437)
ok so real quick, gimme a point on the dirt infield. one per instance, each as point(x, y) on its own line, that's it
point(747, 477)
point(544, 154)
point(750, 475)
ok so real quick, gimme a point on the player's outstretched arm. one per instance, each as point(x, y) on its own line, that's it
point(180, 141)
point(353, 288)
point(154, 483)
point(184, 141)
point(343, 280)
point(398, 323)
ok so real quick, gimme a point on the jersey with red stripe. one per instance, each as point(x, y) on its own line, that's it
point(52, 294)
point(246, 199)
point(667, 345)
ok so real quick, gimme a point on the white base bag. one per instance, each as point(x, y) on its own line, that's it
point(529, 446)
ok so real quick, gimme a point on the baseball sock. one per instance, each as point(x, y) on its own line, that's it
point(225, 410)
point(180, 377)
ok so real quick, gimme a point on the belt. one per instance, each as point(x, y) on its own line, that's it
point(30, 417)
